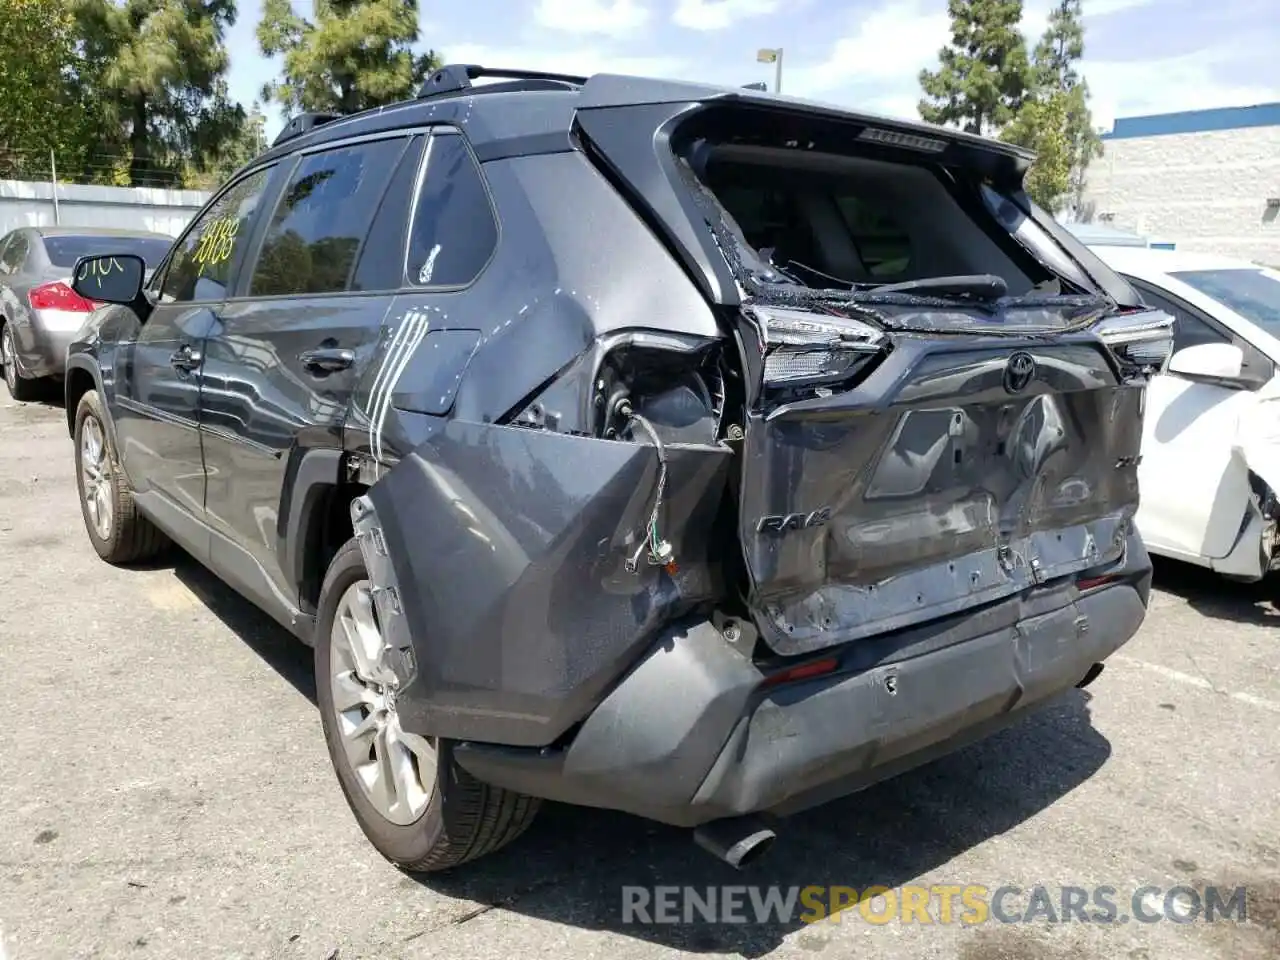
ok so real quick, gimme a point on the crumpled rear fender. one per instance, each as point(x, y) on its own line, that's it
point(497, 558)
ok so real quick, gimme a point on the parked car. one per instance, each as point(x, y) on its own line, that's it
point(610, 449)
point(39, 312)
point(1101, 235)
point(1211, 442)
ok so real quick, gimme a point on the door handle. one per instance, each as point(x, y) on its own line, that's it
point(185, 358)
point(327, 359)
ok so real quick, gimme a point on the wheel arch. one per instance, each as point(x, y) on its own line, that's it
point(81, 378)
point(316, 521)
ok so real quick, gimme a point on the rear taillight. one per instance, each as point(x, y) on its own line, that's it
point(1141, 339)
point(1092, 583)
point(58, 296)
point(805, 671)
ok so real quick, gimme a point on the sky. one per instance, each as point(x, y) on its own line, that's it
point(1141, 56)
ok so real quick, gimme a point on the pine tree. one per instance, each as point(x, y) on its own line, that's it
point(355, 54)
point(1057, 121)
point(157, 73)
point(984, 72)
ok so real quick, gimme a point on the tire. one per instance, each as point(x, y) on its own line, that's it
point(461, 818)
point(126, 536)
point(20, 388)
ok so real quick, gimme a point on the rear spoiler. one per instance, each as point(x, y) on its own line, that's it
point(607, 90)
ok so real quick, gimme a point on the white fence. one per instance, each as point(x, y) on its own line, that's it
point(28, 204)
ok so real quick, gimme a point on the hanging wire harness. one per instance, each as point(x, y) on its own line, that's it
point(659, 550)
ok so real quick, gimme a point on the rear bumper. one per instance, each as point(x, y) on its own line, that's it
point(42, 346)
point(689, 736)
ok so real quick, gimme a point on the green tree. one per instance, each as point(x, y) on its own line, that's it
point(1056, 65)
point(1055, 119)
point(983, 72)
point(353, 55)
point(249, 141)
point(156, 69)
point(42, 111)
point(1042, 125)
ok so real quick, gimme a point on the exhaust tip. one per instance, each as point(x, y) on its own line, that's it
point(738, 841)
point(1092, 675)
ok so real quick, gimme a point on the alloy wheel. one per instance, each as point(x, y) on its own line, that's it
point(396, 769)
point(95, 477)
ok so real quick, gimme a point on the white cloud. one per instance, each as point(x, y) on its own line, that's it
point(876, 66)
point(889, 47)
point(1187, 82)
point(719, 14)
point(1035, 15)
point(610, 17)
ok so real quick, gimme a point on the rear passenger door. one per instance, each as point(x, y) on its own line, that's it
point(283, 359)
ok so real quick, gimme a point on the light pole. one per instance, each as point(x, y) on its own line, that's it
point(772, 55)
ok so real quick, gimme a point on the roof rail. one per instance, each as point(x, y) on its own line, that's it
point(303, 123)
point(456, 77)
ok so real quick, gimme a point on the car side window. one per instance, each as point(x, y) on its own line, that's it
point(1188, 329)
point(454, 230)
point(15, 254)
point(200, 264)
point(322, 217)
point(381, 263)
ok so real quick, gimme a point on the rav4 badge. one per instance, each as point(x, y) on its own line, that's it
point(793, 521)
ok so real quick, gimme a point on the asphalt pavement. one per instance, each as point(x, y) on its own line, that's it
point(165, 793)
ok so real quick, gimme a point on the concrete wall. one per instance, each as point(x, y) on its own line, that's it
point(1207, 189)
point(26, 204)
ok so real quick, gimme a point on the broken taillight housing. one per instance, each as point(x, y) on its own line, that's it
point(802, 348)
point(1141, 341)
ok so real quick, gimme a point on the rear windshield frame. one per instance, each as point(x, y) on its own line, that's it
point(695, 142)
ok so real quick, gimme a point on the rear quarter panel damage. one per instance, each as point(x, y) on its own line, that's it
point(505, 551)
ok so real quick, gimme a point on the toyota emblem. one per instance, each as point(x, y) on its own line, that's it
point(1019, 372)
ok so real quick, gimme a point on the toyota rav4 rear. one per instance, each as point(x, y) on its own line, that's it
point(865, 496)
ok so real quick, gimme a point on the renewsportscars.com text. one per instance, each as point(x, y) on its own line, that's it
point(937, 904)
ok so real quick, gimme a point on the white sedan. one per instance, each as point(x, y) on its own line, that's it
point(1210, 469)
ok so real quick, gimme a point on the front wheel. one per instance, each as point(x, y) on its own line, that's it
point(417, 807)
point(117, 531)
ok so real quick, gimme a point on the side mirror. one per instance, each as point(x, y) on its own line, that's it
point(1208, 361)
point(109, 279)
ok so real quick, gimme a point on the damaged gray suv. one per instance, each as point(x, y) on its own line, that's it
point(674, 449)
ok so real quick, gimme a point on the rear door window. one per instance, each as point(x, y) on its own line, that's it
point(321, 219)
point(381, 263)
point(454, 232)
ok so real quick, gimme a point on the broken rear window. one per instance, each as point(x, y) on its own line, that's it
point(844, 221)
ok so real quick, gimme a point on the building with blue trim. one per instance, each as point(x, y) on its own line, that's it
point(1206, 180)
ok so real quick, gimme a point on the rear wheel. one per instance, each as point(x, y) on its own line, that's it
point(117, 531)
point(415, 805)
point(20, 388)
